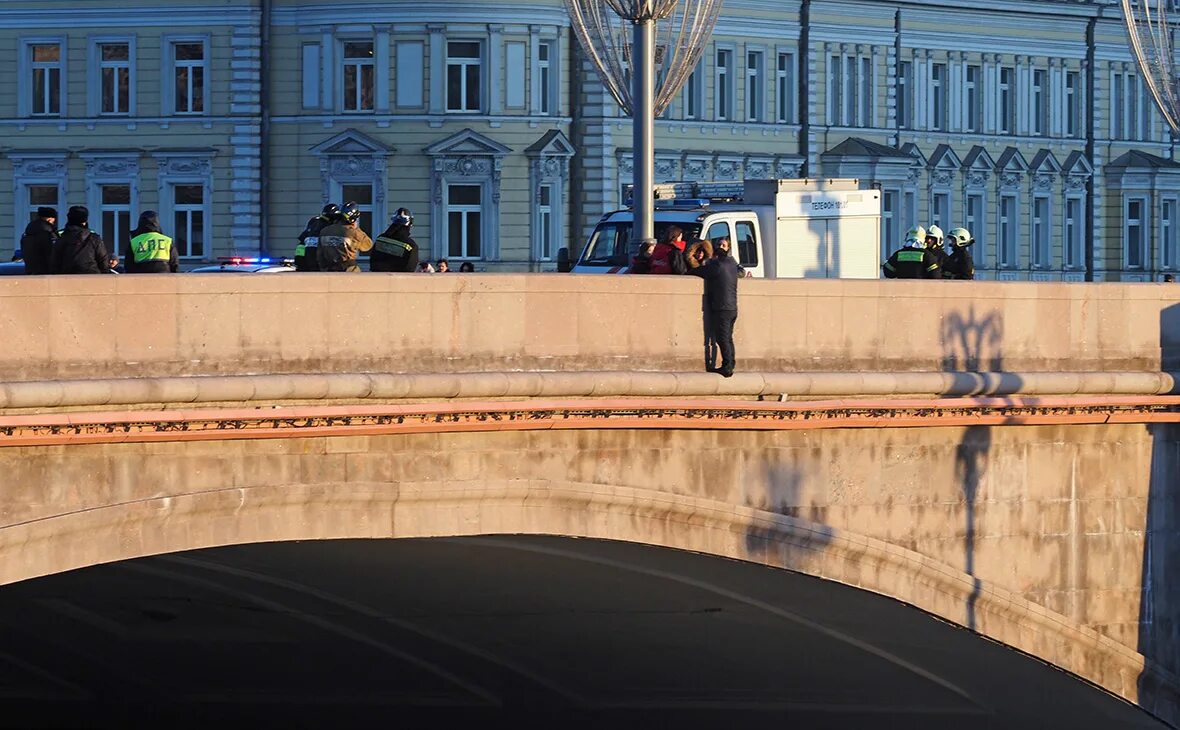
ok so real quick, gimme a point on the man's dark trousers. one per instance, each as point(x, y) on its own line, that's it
point(723, 321)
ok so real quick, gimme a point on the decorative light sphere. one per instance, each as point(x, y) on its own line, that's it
point(1149, 30)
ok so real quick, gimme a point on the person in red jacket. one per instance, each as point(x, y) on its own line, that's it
point(665, 257)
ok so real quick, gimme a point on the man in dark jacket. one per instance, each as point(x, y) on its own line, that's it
point(80, 250)
point(149, 251)
point(914, 261)
point(37, 242)
point(960, 264)
point(396, 250)
point(721, 274)
point(306, 256)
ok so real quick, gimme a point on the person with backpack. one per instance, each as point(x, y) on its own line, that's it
point(37, 243)
point(80, 250)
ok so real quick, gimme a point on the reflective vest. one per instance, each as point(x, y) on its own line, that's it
point(151, 246)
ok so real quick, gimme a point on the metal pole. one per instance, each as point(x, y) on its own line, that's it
point(643, 120)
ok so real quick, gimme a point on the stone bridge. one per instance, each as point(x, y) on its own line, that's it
point(512, 500)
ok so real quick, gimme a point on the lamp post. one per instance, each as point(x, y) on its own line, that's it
point(684, 27)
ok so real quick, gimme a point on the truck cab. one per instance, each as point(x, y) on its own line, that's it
point(610, 249)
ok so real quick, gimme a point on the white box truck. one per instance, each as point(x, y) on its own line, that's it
point(786, 229)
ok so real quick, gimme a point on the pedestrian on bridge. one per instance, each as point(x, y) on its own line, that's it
point(148, 250)
point(721, 274)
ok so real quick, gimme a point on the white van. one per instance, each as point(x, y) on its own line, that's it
point(778, 228)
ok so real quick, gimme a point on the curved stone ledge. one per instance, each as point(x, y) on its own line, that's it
point(628, 384)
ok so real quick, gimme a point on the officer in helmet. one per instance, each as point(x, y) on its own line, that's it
point(914, 261)
point(396, 249)
point(934, 241)
point(309, 240)
point(960, 264)
point(342, 241)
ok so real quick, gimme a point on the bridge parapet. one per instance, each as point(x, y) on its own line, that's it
point(134, 326)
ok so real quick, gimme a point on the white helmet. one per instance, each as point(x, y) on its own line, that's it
point(916, 237)
point(936, 233)
point(960, 237)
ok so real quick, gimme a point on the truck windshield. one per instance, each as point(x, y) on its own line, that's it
point(610, 244)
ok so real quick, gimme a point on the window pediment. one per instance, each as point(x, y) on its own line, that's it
point(467, 143)
point(352, 142)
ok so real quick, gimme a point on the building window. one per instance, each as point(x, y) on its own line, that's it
point(188, 64)
point(755, 86)
point(905, 83)
point(835, 90)
point(848, 91)
point(464, 76)
point(1009, 227)
point(864, 82)
point(1168, 234)
point(940, 210)
point(1118, 107)
point(545, 78)
point(723, 100)
point(1073, 104)
point(1040, 232)
point(464, 220)
point(359, 76)
point(1074, 230)
point(974, 219)
point(1040, 102)
point(938, 95)
point(910, 209)
point(362, 195)
point(38, 196)
point(973, 116)
point(889, 234)
point(115, 216)
point(115, 81)
point(693, 94)
point(545, 218)
point(46, 69)
point(785, 88)
point(1007, 101)
point(1134, 227)
point(188, 220)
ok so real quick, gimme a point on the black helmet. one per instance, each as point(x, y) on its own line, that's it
point(350, 212)
point(403, 217)
point(331, 211)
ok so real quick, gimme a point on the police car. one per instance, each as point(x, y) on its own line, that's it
point(247, 265)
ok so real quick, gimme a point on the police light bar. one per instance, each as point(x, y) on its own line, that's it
point(235, 260)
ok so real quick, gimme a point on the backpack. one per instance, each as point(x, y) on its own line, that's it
point(678, 261)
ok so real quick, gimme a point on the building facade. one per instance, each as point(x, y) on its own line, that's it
point(1023, 120)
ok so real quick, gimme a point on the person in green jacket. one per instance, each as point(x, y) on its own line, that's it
point(148, 250)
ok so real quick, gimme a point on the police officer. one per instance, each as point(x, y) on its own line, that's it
point(934, 240)
point(80, 250)
point(341, 242)
point(149, 251)
point(395, 249)
point(960, 264)
point(915, 261)
point(305, 252)
point(37, 243)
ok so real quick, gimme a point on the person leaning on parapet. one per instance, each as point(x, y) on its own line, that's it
point(37, 243)
point(342, 241)
point(960, 264)
point(80, 250)
point(306, 258)
point(148, 250)
point(721, 274)
point(396, 249)
point(914, 261)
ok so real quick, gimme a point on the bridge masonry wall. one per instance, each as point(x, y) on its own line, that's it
point(1059, 516)
point(133, 326)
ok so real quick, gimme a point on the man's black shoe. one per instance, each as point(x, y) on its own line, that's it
point(725, 372)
